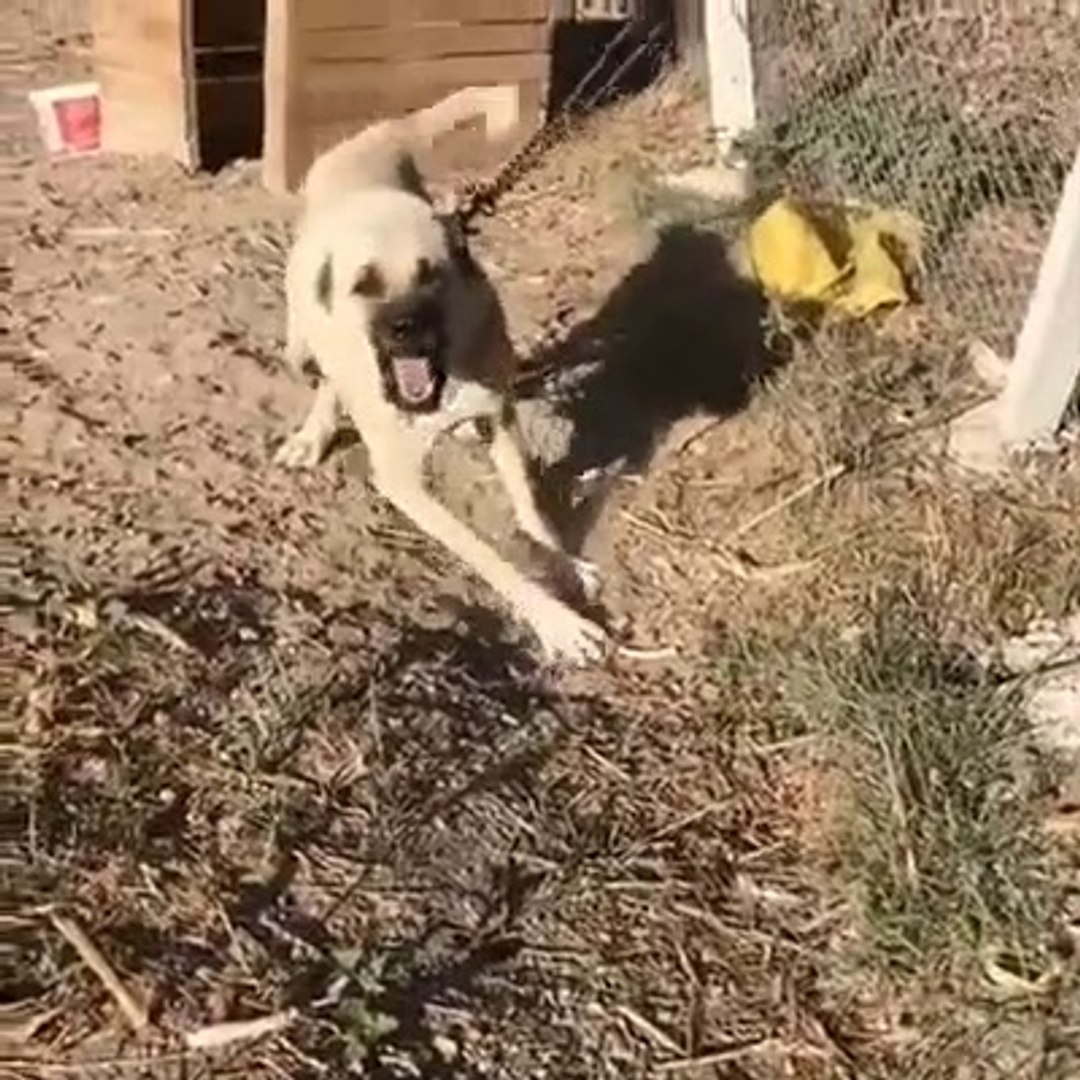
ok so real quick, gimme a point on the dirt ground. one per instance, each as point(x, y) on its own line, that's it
point(280, 751)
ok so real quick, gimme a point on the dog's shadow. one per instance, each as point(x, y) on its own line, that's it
point(682, 335)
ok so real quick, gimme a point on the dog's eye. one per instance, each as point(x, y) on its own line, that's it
point(370, 283)
point(426, 273)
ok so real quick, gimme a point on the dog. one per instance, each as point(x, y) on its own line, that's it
point(410, 341)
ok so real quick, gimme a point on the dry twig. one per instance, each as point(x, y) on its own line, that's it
point(649, 1029)
point(721, 1057)
point(801, 492)
point(134, 1011)
point(215, 1036)
point(29, 1067)
point(631, 652)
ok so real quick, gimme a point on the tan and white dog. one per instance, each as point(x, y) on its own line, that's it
point(410, 341)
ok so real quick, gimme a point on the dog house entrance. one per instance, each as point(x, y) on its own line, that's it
point(228, 53)
point(182, 77)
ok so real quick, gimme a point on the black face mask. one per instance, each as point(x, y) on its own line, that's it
point(410, 342)
point(458, 232)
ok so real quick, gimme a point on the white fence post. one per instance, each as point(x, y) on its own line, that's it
point(730, 58)
point(1042, 377)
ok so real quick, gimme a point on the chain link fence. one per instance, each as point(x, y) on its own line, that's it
point(965, 113)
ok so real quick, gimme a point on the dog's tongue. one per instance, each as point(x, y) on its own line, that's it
point(414, 377)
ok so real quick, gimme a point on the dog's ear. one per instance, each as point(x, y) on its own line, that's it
point(324, 283)
point(457, 240)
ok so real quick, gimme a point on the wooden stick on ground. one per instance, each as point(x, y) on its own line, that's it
point(649, 1030)
point(134, 1011)
point(801, 492)
point(722, 1057)
point(218, 1035)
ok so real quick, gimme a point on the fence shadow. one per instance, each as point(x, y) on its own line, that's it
point(682, 335)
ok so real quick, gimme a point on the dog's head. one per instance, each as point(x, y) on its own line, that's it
point(398, 267)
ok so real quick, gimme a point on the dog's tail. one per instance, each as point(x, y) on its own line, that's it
point(498, 106)
point(382, 154)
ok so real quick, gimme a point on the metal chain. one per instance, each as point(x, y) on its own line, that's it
point(481, 197)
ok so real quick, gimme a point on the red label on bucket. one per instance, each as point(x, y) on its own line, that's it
point(79, 123)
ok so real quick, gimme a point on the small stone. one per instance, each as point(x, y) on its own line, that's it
point(446, 1048)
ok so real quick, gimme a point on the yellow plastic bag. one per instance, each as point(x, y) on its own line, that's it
point(789, 255)
point(841, 260)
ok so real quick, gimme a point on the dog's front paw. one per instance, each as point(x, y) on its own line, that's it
point(588, 577)
point(568, 637)
point(303, 449)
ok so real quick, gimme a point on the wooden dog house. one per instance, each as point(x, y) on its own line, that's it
point(207, 81)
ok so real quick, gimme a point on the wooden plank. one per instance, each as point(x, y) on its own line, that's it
point(155, 20)
point(143, 58)
point(345, 14)
point(286, 139)
point(362, 77)
point(155, 55)
point(1045, 371)
point(423, 41)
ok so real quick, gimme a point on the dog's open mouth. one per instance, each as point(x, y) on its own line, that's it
point(416, 381)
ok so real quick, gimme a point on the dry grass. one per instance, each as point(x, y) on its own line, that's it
point(939, 837)
point(449, 873)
